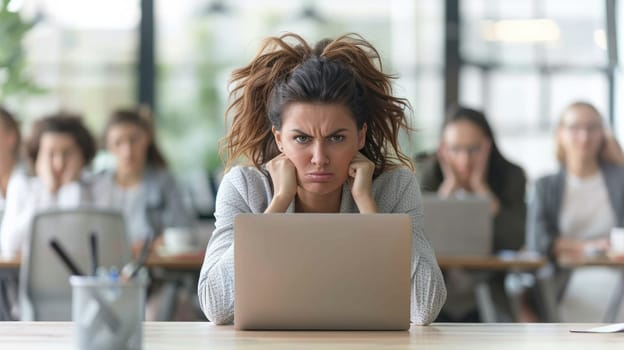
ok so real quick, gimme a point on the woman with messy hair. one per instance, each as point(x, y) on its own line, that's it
point(315, 130)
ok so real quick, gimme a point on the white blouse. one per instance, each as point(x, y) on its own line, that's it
point(18, 172)
point(586, 211)
point(25, 197)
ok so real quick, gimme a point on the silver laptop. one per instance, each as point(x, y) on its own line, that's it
point(458, 226)
point(322, 271)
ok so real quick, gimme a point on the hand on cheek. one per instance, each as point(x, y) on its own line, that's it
point(449, 183)
point(45, 171)
point(361, 172)
point(284, 178)
point(478, 177)
point(71, 172)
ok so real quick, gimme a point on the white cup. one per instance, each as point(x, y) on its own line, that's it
point(617, 240)
point(179, 239)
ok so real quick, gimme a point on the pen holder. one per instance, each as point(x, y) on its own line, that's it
point(108, 313)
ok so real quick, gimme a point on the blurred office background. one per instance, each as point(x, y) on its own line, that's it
point(521, 61)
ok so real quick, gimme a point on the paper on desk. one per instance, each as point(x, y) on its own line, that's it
point(612, 328)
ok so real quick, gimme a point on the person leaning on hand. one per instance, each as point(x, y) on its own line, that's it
point(315, 129)
point(469, 163)
point(59, 149)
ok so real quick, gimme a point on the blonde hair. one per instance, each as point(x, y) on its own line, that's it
point(560, 152)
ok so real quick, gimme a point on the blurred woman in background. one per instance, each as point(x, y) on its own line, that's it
point(143, 189)
point(140, 184)
point(10, 171)
point(469, 163)
point(573, 211)
point(59, 149)
point(9, 152)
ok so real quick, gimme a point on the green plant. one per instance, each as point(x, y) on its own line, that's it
point(13, 78)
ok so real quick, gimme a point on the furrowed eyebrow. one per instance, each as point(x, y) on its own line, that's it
point(332, 133)
point(337, 131)
point(299, 132)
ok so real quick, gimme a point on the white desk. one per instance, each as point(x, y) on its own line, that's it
point(203, 335)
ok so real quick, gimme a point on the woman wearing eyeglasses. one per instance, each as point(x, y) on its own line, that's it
point(573, 210)
point(468, 163)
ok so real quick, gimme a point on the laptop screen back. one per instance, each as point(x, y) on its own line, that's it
point(458, 226)
point(322, 271)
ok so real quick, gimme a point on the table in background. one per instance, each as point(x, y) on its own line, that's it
point(204, 335)
point(480, 266)
point(180, 273)
point(190, 264)
point(178, 268)
point(615, 303)
point(9, 269)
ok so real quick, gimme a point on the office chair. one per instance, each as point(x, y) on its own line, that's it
point(44, 291)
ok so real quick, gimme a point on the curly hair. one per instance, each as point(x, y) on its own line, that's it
point(346, 70)
point(64, 123)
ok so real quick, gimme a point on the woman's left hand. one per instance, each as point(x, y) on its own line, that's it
point(361, 172)
point(612, 152)
point(478, 178)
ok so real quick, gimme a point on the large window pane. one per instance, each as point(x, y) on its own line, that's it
point(530, 32)
point(83, 55)
point(200, 43)
point(582, 27)
point(513, 101)
point(471, 87)
point(570, 87)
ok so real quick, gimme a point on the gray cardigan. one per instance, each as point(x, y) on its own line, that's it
point(247, 190)
point(164, 204)
point(544, 210)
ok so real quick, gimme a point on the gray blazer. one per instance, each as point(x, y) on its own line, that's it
point(544, 209)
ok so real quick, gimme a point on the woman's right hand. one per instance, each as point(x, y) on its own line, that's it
point(449, 184)
point(575, 248)
point(284, 177)
point(45, 171)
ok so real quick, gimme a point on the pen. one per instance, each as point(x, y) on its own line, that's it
point(105, 311)
point(93, 245)
point(69, 263)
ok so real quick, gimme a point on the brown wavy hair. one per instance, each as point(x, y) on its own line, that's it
point(346, 70)
point(142, 118)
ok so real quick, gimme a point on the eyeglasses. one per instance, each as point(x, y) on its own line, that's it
point(469, 150)
point(589, 128)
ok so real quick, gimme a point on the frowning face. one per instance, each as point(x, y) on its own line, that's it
point(320, 140)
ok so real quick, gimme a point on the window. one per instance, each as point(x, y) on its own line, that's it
point(199, 43)
point(524, 61)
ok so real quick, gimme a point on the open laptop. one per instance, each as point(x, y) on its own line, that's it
point(458, 226)
point(322, 271)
